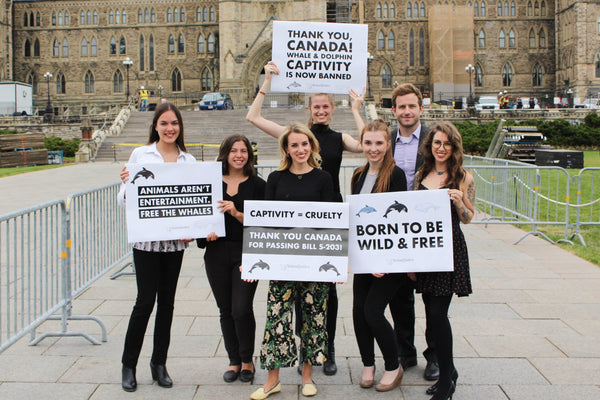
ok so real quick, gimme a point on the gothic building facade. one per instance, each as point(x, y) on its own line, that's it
point(90, 55)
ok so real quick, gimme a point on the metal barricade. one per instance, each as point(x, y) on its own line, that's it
point(587, 207)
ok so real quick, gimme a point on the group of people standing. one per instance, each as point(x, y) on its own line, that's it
point(411, 157)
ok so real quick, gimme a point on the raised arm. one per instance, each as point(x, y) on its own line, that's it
point(254, 115)
point(350, 143)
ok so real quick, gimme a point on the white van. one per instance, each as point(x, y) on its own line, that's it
point(487, 103)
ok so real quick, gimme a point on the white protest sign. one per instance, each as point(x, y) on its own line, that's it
point(295, 241)
point(317, 57)
point(401, 232)
point(173, 201)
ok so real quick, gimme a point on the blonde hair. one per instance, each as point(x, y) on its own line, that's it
point(310, 101)
point(314, 159)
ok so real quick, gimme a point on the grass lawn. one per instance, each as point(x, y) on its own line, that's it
point(22, 170)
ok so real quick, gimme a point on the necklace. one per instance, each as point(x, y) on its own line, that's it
point(440, 172)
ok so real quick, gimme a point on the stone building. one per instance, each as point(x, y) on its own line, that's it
point(184, 48)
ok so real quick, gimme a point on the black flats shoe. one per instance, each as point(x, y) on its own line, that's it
point(160, 374)
point(230, 375)
point(247, 375)
point(128, 380)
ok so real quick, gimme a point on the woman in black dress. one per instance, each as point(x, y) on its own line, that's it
point(373, 292)
point(223, 257)
point(332, 144)
point(298, 178)
point(442, 168)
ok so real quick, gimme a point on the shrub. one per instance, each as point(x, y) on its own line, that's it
point(69, 147)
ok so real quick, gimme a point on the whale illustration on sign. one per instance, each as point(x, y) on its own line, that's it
point(326, 267)
point(260, 264)
point(366, 209)
point(294, 85)
point(395, 207)
point(145, 173)
point(425, 207)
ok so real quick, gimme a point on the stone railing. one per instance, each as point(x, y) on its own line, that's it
point(91, 141)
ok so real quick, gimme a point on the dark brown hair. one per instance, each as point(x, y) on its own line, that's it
point(404, 89)
point(455, 172)
point(160, 110)
point(225, 149)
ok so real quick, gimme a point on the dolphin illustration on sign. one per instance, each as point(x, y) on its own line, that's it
point(395, 207)
point(145, 173)
point(260, 264)
point(366, 209)
point(294, 85)
point(326, 267)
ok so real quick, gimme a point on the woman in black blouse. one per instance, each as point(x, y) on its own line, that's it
point(373, 292)
point(298, 178)
point(223, 257)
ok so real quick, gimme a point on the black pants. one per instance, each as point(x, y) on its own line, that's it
point(436, 312)
point(234, 298)
point(156, 275)
point(371, 297)
point(402, 308)
point(332, 311)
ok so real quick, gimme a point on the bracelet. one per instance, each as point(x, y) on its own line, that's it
point(261, 92)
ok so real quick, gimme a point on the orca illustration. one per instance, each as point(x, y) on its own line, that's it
point(366, 209)
point(145, 173)
point(294, 85)
point(260, 264)
point(396, 206)
point(327, 267)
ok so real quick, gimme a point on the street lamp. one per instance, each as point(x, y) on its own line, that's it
point(48, 113)
point(160, 89)
point(570, 97)
point(127, 63)
point(369, 59)
point(471, 101)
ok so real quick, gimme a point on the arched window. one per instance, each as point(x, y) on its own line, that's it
point(532, 39)
point(481, 38)
point(212, 13)
point(122, 46)
point(378, 10)
point(84, 47)
point(146, 15)
point(380, 41)
point(482, 13)
point(392, 11)
point(88, 18)
point(27, 48)
point(499, 12)
point(512, 43)
point(118, 82)
point(180, 44)
point(37, 21)
point(201, 44)
point(176, 15)
point(169, 15)
point(543, 9)
point(25, 19)
point(124, 16)
point(60, 18)
point(95, 17)
point(421, 48)
point(502, 39)
point(65, 48)
point(422, 10)
point(111, 17)
point(171, 44)
point(32, 80)
point(182, 14)
point(542, 39)
point(386, 76)
point(536, 9)
point(211, 43)
point(176, 80)
point(385, 10)
point(53, 18)
point(140, 16)
point(94, 47)
point(411, 48)
point(507, 75)
point(198, 14)
point(142, 53)
point(89, 82)
point(416, 10)
point(391, 40)
point(506, 9)
point(537, 75)
point(113, 46)
point(597, 65)
point(36, 48)
point(206, 79)
point(408, 10)
point(82, 18)
point(478, 75)
point(118, 17)
point(476, 9)
point(61, 84)
point(205, 12)
point(153, 15)
point(151, 54)
point(513, 9)
point(66, 18)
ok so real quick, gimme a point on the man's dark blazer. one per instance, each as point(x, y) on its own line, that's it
point(424, 133)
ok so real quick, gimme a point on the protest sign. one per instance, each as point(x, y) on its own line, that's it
point(173, 201)
point(315, 57)
point(400, 232)
point(295, 241)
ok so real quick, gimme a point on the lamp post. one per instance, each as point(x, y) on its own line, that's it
point(160, 89)
point(127, 63)
point(369, 59)
point(48, 112)
point(570, 97)
point(471, 101)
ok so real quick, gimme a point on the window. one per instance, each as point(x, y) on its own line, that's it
point(499, 12)
point(385, 10)
point(481, 39)
point(61, 84)
point(146, 15)
point(122, 46)
point(392, 11)
point(507, 75)
point(478, 75)
point(391, 40)
point(408, 10)
point(171, 44)
point(140, 16)
point(386, 76)
point(118, 17)
point(212, 13)
point(95, 17)
point(502, 39)
point(27, 48)
point(151, 54)
point(113, 46)
point(60, 18)
point(89, 82)
point(206, 79)
point(182, 14)
point(82, 18)
point(482, 13)
point(476, 9)
point(513, 9)
point(53, 18)
point(111, 17)
point(37, 20)
point(32, 80)
point(422, 10)
point(421, 48)
point(153, 15)
point(543, 8)
point(506, 9)
point(198, 15)
point(536, 9)
point(537, 75)
point(84, 47)
point(542, 39)
point(200, 44)
point(176, 80)
point(380, 41)
point(411, 48)
point(416, 10)
point(65, 48)
point(378, 10)
point(36, 48)
point(88, 18)
point(597, 65)
point(180, 44)
point(169, 15)
point(529, 9)
point(176, 15)
point(511, 39)
point(118, 82)
point(532, 39)
point(124, 16)
point(94, 47)
point(211, 43)
point(66, 18)
point(141, 53)
point(25, 19)
point(205, 18)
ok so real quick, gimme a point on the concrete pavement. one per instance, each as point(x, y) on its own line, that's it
point(530, 330)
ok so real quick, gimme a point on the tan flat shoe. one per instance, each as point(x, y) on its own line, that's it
point(368, 383)
point(386, 388)
point(261, 394)
point(309, 390)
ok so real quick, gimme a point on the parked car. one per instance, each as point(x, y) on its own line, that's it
point(588, 103)
point(216, 101)
point(487, 103)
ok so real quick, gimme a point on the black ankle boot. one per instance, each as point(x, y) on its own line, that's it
point(160, 374)
point(329, 367)
point(128, 380)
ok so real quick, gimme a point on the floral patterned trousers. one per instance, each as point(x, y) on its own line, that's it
point(279, 344)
